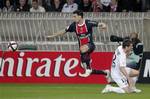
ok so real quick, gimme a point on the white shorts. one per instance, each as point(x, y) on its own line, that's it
point(120, 80)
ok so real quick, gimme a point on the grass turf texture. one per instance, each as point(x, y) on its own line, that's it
point(66, 91)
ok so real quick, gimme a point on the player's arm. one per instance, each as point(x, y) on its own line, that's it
point(122, 61)
point(62, 32)
point(124, 72)
point(100, 25)
point(70, 28)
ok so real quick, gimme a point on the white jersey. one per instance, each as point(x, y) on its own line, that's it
point(119, 60)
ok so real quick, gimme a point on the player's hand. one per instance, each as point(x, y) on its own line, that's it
point(102, 26)
point(62, 32)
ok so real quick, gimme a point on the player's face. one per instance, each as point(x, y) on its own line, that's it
point(76, 18)
point(129, 48)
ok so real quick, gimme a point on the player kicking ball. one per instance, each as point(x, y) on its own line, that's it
point(84, 32)
point(120, 72)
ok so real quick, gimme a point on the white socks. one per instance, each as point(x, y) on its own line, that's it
point(134, 79)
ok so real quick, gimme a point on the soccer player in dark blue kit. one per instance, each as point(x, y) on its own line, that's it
point(83, 29)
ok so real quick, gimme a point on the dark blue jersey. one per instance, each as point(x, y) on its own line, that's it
point(84, 31)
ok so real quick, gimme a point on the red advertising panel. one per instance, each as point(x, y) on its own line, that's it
point(50, 67)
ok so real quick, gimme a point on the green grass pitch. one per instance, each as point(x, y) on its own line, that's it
point(66, 91)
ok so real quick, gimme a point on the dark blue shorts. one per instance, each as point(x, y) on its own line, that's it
point(91, 48)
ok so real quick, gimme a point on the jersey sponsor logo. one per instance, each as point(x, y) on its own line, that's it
point(84, 40)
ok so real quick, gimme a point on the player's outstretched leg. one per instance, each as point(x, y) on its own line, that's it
point(103, 72)
point(85, 59)
point(108, 76)
point(86, 74)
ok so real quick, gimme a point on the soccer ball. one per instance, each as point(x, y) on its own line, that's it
point(12, 46)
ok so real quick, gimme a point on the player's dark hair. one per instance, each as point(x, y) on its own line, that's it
point(126, 43)
point(79, 13)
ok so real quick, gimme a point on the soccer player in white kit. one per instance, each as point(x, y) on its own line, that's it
point(119, 72)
